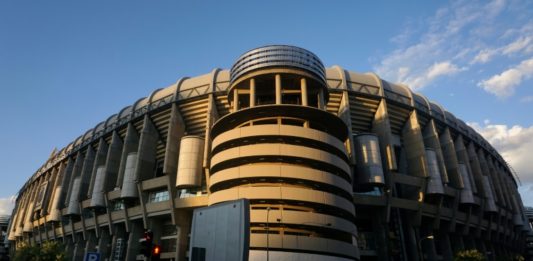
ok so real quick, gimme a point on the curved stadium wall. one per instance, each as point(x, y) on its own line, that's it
point(337, 165)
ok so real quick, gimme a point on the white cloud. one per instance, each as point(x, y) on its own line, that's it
point(521, 44)
point(7, 205)
point(484, 56)
point(442, 68)
point(518, 45)
point(463, 34)
point(435, 71)
point(515, 144)
point(441, 47)
point(504, 84)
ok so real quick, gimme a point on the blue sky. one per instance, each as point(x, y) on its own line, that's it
point(67, 65)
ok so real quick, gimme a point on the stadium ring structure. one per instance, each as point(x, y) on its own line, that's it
point(337, 165)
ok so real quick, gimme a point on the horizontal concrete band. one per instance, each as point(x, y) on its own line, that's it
point(298, 194)
point(279, 170)
point(261, 255)
point(280, 150)
point(302, 218)
point(274, 129)
point(303, 243)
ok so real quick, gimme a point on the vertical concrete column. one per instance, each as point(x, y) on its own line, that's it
point(381, 126)
point(381, 234)
point(176, 130)
point(79, 247)
point(503, 184)
point(136, 232)
point(494, 180)
point(278, 88)
point(411, 243)
point(147, 150)
point(235, 100)
point(131, 143)
point(28, 216)
point(69, 248)
point(431, 140)
point(183, 222)
point(54, 214)
point(476, 168)
point(91, 242)
point(76, 170)
point(252, 92)
point(450, 159)
point(101, 154)
point(104, 244)
point(213, 116)
point(51, 178)
point(414, 146)
point(344, 114)
point(112, 162)
point(303, 90)
point(321, 101)
point(462, 156)
point(86, 172)
point(445, 245)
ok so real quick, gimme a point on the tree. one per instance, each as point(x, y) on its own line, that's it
point(469, 255)
point(48, 251)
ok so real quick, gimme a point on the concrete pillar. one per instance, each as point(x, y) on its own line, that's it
point(86, 172)
point(476, 169)
point(183, 222)
point(131, 143)
point(136, 232)
point(445, 245)
point(493, 175)
point(112, 162)
point(411, 243)
point(119, 242)
point(91, 242)
point(235, 100)
point(69, 248)
point(381, 127)
point(147, 151)
point(462, 156)
point(104, 244)
point(278, 88)
point(450, 159)
point(381, 233)
point(79, 247)
point(414, 145)
point(101, 154)
point(176, 130)
point(303, 90)
point(252, 92)
point(321, 101)
point(76, 170)
point(431, 140)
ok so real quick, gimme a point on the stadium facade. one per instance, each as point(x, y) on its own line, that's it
point(337, 165)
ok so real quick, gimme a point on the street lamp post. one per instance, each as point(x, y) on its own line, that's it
point(420, 246)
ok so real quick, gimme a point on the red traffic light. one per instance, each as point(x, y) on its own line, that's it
point(156, 250)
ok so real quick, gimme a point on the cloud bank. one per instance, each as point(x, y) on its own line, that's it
point(463, 36)
point(7, 205)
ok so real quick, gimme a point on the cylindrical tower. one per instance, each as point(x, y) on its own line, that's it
point(280, 149)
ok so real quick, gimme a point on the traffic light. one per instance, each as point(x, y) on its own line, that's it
point(156, 252)
point(146, 243)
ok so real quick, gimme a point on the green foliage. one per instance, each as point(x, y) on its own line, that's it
point(469, 255)
point(518, 258)
point(48, 251)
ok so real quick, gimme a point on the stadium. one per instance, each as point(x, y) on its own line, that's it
point(336, 165)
